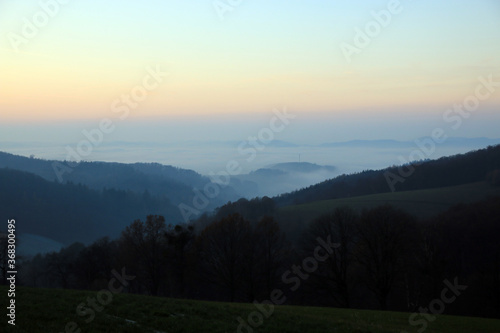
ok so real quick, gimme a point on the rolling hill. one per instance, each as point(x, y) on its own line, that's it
point(420, 203)
point(66, 213)
point(471, 167)
point(176, 184)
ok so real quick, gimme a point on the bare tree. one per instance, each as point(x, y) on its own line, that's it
point(95, 263)
point(179, 240)
point(332, 274)
point(270, 251)
point(226, 251)
point(385, 238)
point(61, 265)
point(144, 244)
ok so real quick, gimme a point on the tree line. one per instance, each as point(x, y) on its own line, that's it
point(382, 259)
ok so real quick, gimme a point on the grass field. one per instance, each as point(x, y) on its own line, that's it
point(49, 310)
point(421, 203)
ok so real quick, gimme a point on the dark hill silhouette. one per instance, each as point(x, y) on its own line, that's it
point(68, 212)
point(176, 184)
point(447, 171)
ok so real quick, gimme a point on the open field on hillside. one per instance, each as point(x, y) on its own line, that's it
point(50, 310)
point(421, 203)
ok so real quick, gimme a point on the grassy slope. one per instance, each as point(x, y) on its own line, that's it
point(48, 310)
point(421, 203)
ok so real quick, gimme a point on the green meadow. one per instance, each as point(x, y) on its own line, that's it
point(50, 310)
point(421, 203)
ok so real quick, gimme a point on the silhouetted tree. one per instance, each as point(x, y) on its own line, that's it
point(179, 238)
point(332, 274)
point(385, 239)
point(271, 251)
point(145, 249)
point(226, 252)
point(95, 263)
point(61, 265)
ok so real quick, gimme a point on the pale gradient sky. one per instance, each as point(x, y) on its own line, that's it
point(263, 55)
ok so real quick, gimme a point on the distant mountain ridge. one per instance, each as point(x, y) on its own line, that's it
point(452, 141)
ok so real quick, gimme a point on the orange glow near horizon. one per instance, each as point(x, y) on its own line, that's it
point(81, 62)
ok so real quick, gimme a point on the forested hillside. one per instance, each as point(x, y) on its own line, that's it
point(176, 184)
point(472, 167)
point(70, 212)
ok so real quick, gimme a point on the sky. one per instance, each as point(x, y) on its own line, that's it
point(215, 70)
